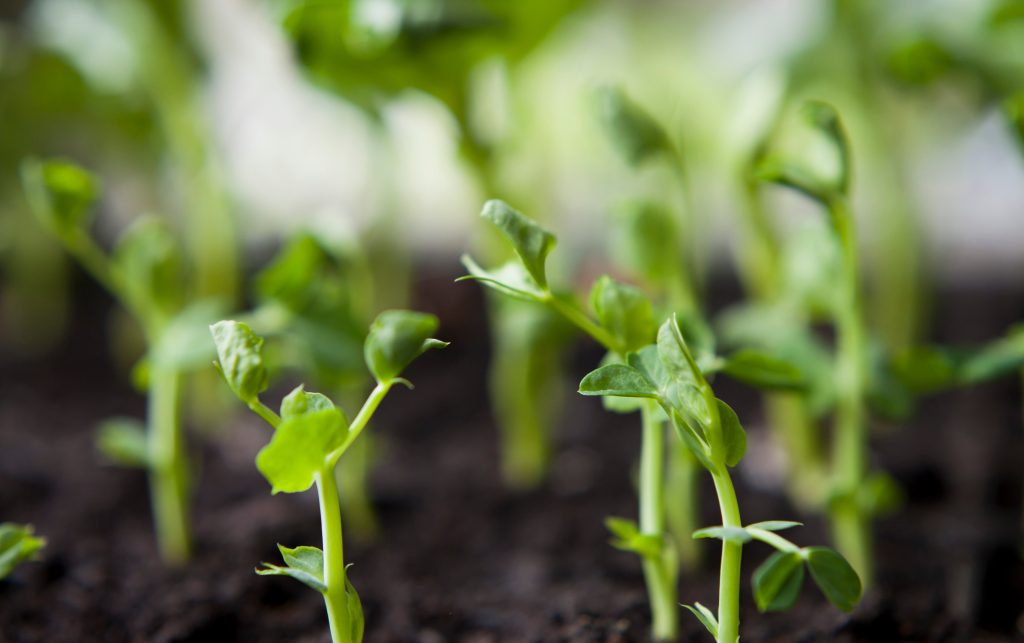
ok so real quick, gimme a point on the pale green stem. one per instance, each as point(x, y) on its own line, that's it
point(361, 419)
point(772, 538)
point(335, 598)
point(729, 576)
point(168, 470)
point(265, 412)
point(682, 501)
point(659, 572)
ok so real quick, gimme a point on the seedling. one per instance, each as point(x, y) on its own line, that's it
point(144, 274)
point(17, 545)
point(623, 322)
point(311, 434)
point(668, 376)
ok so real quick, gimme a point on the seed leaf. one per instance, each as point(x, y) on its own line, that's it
point(706, 618)
point(636, 135)
point(763, 371)
point(627, 537)
point(777, 581)
point(17, 545)
point(396, 338)
point(60, 193)
point(304, 564)
point(240, 358)
point(623, 311)
point(123, 441)
point(510, 279)
point(301, 402)
point(834, 576)
point(531, 242)
point(734, 438)
point(299, 449)
point(729, 534)
point(618, 380)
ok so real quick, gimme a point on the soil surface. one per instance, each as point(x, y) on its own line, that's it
point(458, 557)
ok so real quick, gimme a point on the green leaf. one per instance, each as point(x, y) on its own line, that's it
point(777, 581)
point(301, 402)
point(17, 545)
point(925, 369)
point(304, 564)
point(627, 537)
point(706, 618)
point(834, 576)
point(60, 193)
point(149, 262)
point(675, 354)
point(396, 338)
point(183, 343)
point(241, 360)
point(510, 279)
point(692, 436)
point(298, 451)
point(531, 242)
point(763, 371)
point(636, 135)
point(999, 358)
point(123, 441)
point(619, 380)
point(775, 525)
point(734, 438)
point(624, 312)
point(729, 534)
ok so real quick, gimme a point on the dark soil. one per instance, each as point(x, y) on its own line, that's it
point(459, 558)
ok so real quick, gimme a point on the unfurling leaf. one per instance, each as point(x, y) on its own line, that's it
point(241, 360)
point(734, 438)
point(618, 380)
point(706, 618)
point(834, 576)
point(123, 441)
point(301, 402)
point(737, 535)
point(304, 564)
point(396, 338)
point(298, 451)
point(777, 581)
point(763, 371)
point(636, 135)
point(17, 545)
point(624, 312)
point(531, 242)
point(510, 279)
point(60, 193)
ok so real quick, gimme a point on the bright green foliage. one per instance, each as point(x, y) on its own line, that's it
point(17, 545)
point(624, 311)
point(734, 438)
point(240, 359)
point(301, 402)
point(304, 564)
point(636, 135)
point(706, 618)
point(628, 537)
point(531, 242)
point(777, 581)
point(396, 338)
point(618, 380)
point(728, 534)
point(62, 194)
point(299, 448)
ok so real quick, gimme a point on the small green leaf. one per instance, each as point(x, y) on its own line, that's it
point(763, 371)
point(775, 525)
point(298, 451)
point(510, 279)
point(675, 354)
point(636, 135)
point(123, 441)
point(531, 242)
point(624, 312)
point(304, 564)
point(149, 262)
point(618, 380)
point(17, 545)
point(60, 193)
point(706, 618)
point(834, 576)
point(729, 534)
point(734, 438)
point(241, 360)
point(627, 537)
point(300, 402)
point(777, 581)
point(396, 338)
point(692, 437)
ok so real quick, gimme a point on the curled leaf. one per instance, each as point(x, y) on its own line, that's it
point(301, 402)
point(531, 242)
point(240, 358)
point(396, 338)
point(624, 312)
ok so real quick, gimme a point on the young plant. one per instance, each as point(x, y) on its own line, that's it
point(144, 274)
point(622, 322)
point(668, 376)
point(17, 545)
point(311, 434)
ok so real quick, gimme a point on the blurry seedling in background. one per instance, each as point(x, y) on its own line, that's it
point(17, 545)
point(623, 321)
point(144, 274)
point(669, 377)
point(310, 435)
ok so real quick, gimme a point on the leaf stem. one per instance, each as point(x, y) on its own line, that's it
point(660, 571)
point(265, 412)
point(361, 419)
point(584, 323)
point(168, 481)
point(335, 598)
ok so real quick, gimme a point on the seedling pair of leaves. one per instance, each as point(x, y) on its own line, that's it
point(311, 434)
point(18, 544)
point(145, 274)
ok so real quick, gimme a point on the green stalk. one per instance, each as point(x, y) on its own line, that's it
point(335, 598)
point(682, 500)
point(362, 418)
point(729, 575)
point(660, 571)
point(851, 528)
point(168, 480)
